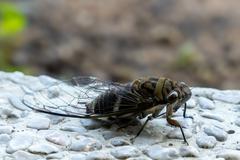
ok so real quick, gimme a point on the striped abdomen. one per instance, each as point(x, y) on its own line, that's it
point(104, 103)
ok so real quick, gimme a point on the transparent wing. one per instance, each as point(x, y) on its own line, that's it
point(69, 98)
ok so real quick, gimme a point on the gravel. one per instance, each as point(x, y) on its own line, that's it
point(26, 135)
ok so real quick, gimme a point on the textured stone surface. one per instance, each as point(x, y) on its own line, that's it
point(38, 123)
point(206, 103)
point(218, 133)
point(188, 151)
point(213, 132)
point(159, 152)
point(125, 152)
point(205, 141)
point(20, 141)
point(43, 148)
point(58, 138)
point(229, 154)
point(85, 144)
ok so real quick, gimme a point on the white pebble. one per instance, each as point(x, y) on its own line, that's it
point(203, 92)
point(59, 155)
point(46, 80)
point(191, 103)
point(4, 138)
point(188, 151)
point(38, 123)
point(117, 141)
point(227, 96)
point(73, 127)
point(20, 141)
point(99, 155)
point(58, 138)
point(218, 133)
point(43, 148)
point(229, 154)
point(204, 141)
point(206, 103)
point(23, 155)
point(212, 116)
point(77, 156)
point(91, 124)
point(177, 134)
point(6, 129)
point(85, 144)
point(125, 152)
point(159, 152)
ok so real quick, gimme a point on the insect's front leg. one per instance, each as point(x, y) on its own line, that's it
point(174, 122)
point(184, 112)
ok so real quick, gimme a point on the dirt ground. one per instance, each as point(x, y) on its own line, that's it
point(196, 41)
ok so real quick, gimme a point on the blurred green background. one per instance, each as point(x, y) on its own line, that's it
point(196, 41)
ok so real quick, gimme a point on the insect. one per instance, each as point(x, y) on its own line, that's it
point(89, 97)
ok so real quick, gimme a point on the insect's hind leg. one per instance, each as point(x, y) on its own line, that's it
point(141, 129)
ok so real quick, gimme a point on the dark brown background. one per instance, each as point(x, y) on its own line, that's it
point(196, 41)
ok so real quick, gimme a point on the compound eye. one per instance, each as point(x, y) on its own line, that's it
point(172, 97)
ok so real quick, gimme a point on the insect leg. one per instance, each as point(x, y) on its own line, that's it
point(184, 112)
point(173, 121)
point(141, 129)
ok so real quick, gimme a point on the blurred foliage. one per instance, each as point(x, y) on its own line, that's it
point(12, 20)
point(188, 56)
point(12, 23)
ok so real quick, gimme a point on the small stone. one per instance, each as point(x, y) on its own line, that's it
point(16, 77)
point(99, 155)
point(177, 134)
point(237, 122)
point(205, 141)
point(125, 152)
point(188, 151)
point(85, 144)
point(229, 154)
point(19, 142)
point(38, 123)
point(16, 102)
point(77, 156)
point(158, 152)
point(55, 119)
point(227, 96)
point(91, 124)
point(10, 113)
point(59, 155)
point(47, 81)
point(58, 138)
point(191, 103)
point(4, 138)
point(110, 134)
point(73, 128)
point(203, 92)
point(23, 155)
point(206, 103)
point(218, 133)
point(212, 116)
point(117, 141)
point(6, 129)
point(43, 148)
